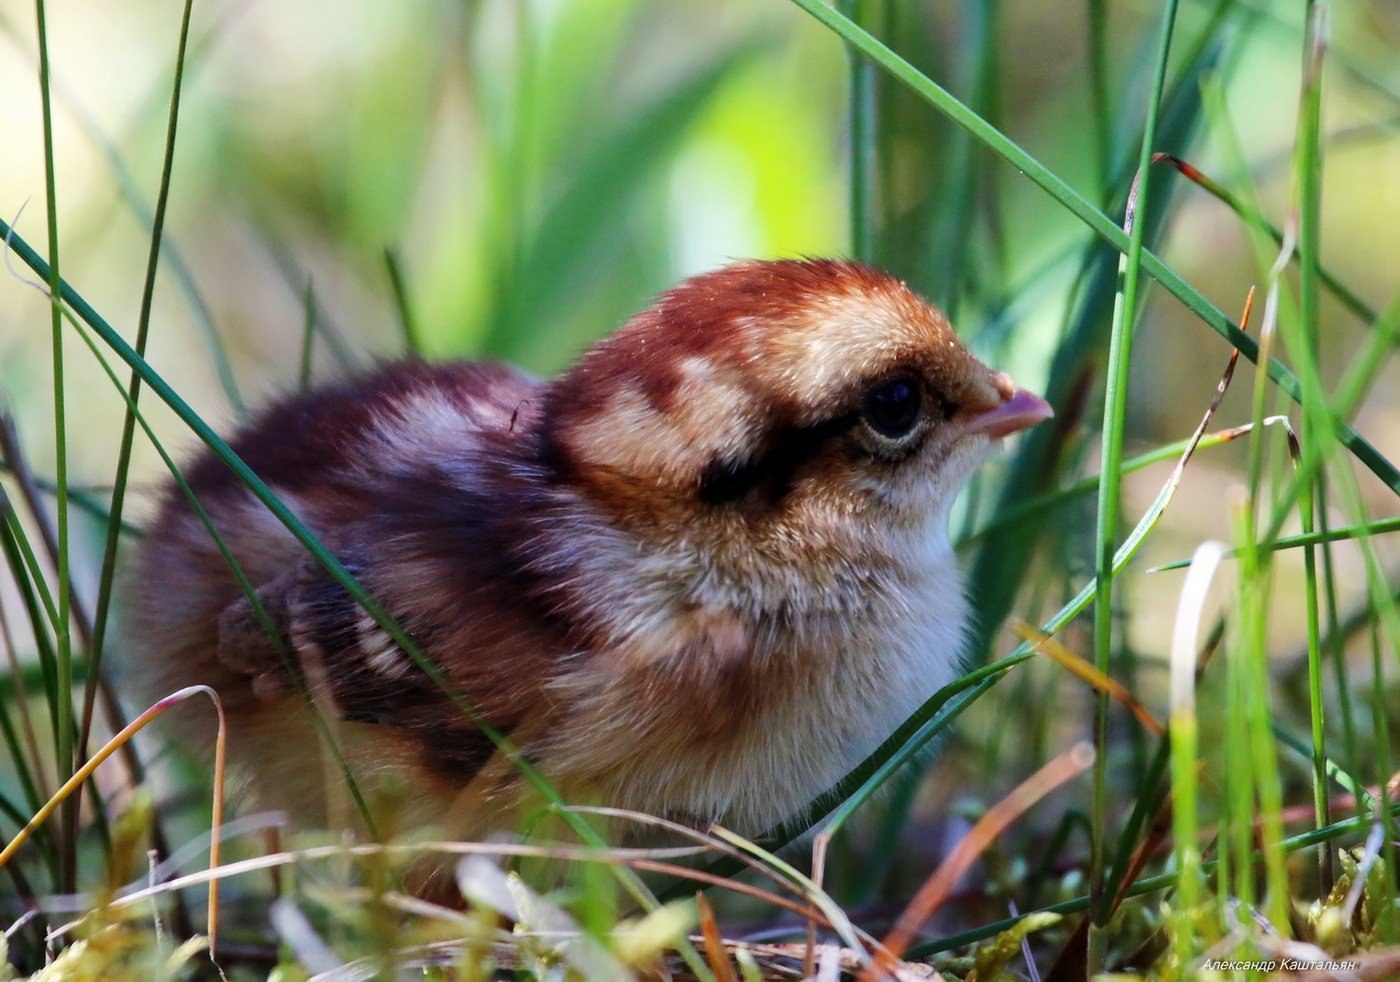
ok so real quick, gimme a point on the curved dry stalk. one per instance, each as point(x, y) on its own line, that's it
point(1073, 762)
point(714, 941)
point(637, 859)
point(704, 838)
point(1087, 673)
point(836, 918)
point(116, 743)
point(762, 862)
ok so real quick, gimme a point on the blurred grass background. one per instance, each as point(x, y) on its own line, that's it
point(536, 171)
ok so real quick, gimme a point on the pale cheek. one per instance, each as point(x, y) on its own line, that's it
point(714, 414)
point(629, 437)
point(711, 417)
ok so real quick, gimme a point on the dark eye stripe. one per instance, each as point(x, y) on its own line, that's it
point(770, 476)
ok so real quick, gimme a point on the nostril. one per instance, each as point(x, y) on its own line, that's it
point(1003, 384)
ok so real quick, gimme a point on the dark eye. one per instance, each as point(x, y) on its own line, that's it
point(892, 408)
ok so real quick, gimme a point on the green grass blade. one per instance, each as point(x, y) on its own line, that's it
point(87, 503)
point(1383, 811)
point(1115, 416)
point(1334, 644)
point(296, 279)
point(63, 694)
point(1044, 505)
point(412, 339)
point(1347, 532)
point(1100, 107)
point(1385, 649)
point(25, 756)
point(1250, 213)
point(39, 600)
point(1346, 780)
point(950, 231)
point(1315, 424)
point(107, 574)
point(308, 335)
point(863, 141)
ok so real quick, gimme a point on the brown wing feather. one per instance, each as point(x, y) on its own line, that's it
point(423, 479)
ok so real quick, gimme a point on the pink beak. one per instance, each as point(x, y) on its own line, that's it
point(1020, 410)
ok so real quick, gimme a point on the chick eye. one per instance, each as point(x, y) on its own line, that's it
point(892, 408)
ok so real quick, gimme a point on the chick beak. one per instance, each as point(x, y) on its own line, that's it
point(1018, 410)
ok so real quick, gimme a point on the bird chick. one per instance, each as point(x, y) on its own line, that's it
point(702, 574)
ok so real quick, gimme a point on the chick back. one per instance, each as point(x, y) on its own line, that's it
point(423, 480)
